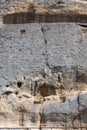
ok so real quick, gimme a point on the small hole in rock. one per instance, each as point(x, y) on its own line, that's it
point(62, 99)
point(60, 2)
point(19, 49)
point(46, 90)
point(62, 87)
point(19, 84)
point(59, 79)
point(7, 85)
point(22, 31)
point(16, 92)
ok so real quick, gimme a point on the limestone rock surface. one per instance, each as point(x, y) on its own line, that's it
point(43, 64)
point(26, 11)
point(43, 75)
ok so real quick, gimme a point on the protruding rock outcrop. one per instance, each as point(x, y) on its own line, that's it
point(17, 12)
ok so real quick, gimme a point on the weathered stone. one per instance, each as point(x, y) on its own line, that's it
point(20, 53)
point(43, 11)
point(37, 86)
point(43, 66)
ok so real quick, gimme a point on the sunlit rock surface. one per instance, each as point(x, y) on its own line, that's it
point(43, 65)
point(26, 11)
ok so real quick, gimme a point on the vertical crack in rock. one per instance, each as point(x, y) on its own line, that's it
point(21, 119)
point(45, 41)
point(79, 112)
point(42, 120)
point(21, 116)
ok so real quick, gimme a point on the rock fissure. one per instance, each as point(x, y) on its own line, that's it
point(45, 41)
point(80, 119)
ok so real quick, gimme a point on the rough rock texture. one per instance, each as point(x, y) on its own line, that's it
point(26, 11)
point(43, 66)
point(43, 74)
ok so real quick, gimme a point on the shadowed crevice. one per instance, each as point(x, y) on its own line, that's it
point(30, 17)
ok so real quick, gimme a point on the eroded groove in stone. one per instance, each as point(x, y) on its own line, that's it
point(35, 12)
point(20, 18)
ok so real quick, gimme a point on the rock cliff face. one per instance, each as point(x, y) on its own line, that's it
point(43, 65)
